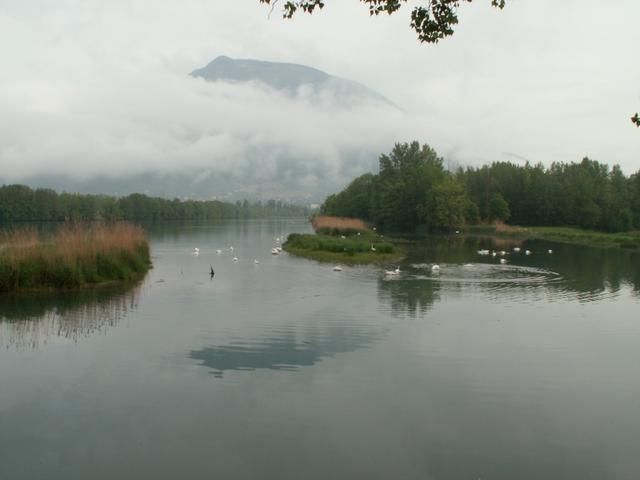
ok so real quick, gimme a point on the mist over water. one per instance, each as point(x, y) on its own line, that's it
point(286, 369)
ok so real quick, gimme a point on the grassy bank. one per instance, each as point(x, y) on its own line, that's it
point(626, 240)
point(72, 257)
point(329, 248)
point(342, 240)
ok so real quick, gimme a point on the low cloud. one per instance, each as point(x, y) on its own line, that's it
point(167, 123)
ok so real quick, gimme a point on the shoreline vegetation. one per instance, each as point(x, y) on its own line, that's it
point(342, 240)
point(20, 203)
point(572, 235)
point(74, 256)
point(414, 193)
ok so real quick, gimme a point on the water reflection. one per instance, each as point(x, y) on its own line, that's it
point(409, 295)
point(30, 321)
point(286, 349)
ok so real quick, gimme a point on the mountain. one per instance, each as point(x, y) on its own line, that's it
point(289, 78)
point(263, 167)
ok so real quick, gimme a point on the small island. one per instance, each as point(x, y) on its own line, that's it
point(73, 256)
point(342, 240)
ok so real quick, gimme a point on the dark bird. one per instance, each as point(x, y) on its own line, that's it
point(212, 273)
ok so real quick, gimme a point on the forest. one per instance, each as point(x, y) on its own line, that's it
point(413, 192)
point(20, 203)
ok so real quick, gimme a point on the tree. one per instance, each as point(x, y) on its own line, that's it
point(406, 180)
point(498, 208)
point(432, 22)
point(449, 205)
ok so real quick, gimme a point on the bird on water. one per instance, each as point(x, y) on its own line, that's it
point(212, 272)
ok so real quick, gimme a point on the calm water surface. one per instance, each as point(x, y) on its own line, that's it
point(286, 369)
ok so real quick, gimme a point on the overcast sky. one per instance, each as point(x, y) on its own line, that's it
point(94, 86)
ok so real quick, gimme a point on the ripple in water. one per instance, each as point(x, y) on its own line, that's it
point(518, 283)
point(483, 273)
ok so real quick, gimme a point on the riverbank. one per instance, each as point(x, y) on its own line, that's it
point(625, 240)
point(73, 257)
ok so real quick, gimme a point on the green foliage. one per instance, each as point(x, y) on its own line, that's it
point(335, 249)
point(328, 243)
point(448, 207)
point(586, 194)
point(336, 232)
point(19, 203)
point(471, 212)
point(628, 240)
point(498, 208)
point(355, 200)
point(404, 186)
point(432, 21)
point(411, 190)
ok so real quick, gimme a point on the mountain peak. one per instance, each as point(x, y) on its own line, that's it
point(287, 77)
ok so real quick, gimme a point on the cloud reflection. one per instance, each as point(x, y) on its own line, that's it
point(285, 350)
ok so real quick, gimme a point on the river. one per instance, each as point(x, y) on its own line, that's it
point(287, 369)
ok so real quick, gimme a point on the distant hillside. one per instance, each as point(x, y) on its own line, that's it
point(287, 77)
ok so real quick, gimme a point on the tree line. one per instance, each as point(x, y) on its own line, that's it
point(20, 203)
point(413, 191)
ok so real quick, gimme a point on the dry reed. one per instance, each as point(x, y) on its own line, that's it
point(73, 256)
point(339, 223)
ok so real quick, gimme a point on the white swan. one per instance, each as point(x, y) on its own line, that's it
point(235, 259)
point(373, 249)
point(337, 268)
point(196, 251)
point(274, 251)
point(435, 268)
point(550, 251)
point(393, 272)
point(256, 261)
point(516, 249)
point(527, 252)
point(218, 251)
point(503, 261)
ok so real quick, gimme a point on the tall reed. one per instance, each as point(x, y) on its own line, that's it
point(338, 225)
point(75, 255)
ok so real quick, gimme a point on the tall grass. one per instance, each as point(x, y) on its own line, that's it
point(75, 255)
point(327, 225)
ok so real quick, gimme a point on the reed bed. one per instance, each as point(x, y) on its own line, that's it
point(74, 256)
point(327, 225)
